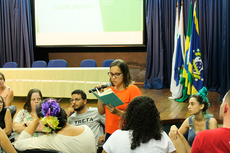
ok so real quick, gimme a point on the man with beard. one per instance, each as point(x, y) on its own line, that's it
point(79, 114)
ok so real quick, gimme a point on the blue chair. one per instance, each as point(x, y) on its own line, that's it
point(39, 64)
point(88, 63)
point(10, 65)
point(107, 63)
point(57, 63)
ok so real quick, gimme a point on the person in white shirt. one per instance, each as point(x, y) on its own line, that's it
point(61, 136)
point(141, 130)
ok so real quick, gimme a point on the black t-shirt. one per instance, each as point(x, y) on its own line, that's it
point(2, 117)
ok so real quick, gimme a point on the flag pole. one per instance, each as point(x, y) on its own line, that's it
point(182, 3)
point(177, 12)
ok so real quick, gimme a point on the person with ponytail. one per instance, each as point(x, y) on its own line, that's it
point(60, 136)
point(198, 121)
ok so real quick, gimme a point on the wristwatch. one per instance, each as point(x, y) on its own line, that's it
point(25, 124)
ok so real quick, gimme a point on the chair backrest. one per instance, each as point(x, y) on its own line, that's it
point(57, 63)
point(107, 63)
point(88, 63)
point(10, 65)
point(39, 64)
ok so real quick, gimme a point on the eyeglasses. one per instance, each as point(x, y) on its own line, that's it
point(72, 100)
point(110, 74)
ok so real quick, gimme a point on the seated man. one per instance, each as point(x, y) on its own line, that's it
point(79, 114)
point(217, 140)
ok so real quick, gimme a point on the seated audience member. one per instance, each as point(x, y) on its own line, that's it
point(61, 136)
point(217, 140)
point(25, 116)
point(8, 95)
point(5, 118)
point(79, 114)
point(198, 121)
point(141, 130)
point(5, 144)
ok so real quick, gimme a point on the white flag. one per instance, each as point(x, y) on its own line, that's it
point(178, 57)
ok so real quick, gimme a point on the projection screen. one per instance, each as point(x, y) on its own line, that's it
point(89, 22)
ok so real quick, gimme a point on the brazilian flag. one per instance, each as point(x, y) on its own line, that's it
point(184, 78)
point(195, 66)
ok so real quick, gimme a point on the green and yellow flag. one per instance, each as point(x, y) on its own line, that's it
point(184, 78)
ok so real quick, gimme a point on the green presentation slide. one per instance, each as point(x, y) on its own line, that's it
point(66, 16)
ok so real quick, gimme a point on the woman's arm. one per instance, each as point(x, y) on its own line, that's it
point(101, 109)
point(178, 140)
point(213, 123)
point(174, 132)
point(184, 127)
point(5, 143)
point(32, 127)
point(18, 123)
point(104, 151)
point(27, 141)
point(9, 98)
point(18, 127)
point(8, 121)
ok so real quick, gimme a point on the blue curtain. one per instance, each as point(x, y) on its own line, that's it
point(16, 40)
point(213, 18)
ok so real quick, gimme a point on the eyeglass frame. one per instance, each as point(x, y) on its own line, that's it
point(110, 74)
point(73, 100)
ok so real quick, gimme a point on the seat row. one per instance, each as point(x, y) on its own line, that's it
point(61, 63)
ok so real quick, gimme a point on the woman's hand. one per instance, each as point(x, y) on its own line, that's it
point(173, 132)
point(28, 123)
point(32, 127)
point(114, 110)
point(99, 87)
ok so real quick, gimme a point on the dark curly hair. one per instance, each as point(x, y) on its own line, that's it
point(62, 116)
point(201, 97)
point(127, 78)
point(142, 117)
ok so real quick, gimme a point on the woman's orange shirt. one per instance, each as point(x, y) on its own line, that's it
point(112, 120)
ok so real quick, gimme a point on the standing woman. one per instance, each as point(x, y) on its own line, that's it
point(7, 94)
point(5, 118)
point(25, 116)
point(122, 86)
point(198, 121)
